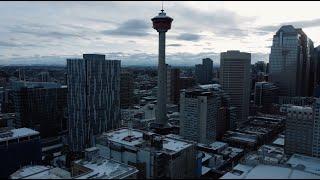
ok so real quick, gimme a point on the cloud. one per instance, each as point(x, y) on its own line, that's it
point(12, 44)
point(42, 31)
point(174, 45)
point(7, 44)
point(221, 22)
point(189, 37)
point(297, 24)
point(132, 27)
point(100, 20)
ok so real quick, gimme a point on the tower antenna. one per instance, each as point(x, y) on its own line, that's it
point(162, 7)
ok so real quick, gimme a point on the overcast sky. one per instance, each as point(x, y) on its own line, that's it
point(37, 29)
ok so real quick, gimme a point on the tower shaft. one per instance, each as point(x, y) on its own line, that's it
point(161, 115)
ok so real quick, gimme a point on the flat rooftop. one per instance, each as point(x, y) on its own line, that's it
point(267, 172)
point(218, 145)
point(238, 136)
point(311, 164)
point(279, 141)
point(135, 137)
point(40, 172)
point(105, 169)
point(121, 136)
point(17, 133)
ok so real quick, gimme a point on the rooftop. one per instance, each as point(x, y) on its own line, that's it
point(210, 86)
point(218, 145)
point(263, 172)
point(279, 141)
point(102, 168)
point(16, 133)
point(241, 137)
point(311, 164)
point(134, 137)
point(46, 85)
point(40, 172)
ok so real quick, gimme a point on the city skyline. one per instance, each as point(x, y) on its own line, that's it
point(233, 116)
point(121, 29)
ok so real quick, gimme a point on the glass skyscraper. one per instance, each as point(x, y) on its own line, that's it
point(291, 63)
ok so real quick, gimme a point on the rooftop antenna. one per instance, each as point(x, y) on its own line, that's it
point(130, 124)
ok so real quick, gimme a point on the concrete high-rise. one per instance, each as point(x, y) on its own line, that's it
point(316, 128)
point(265, 94)
point(208, 64)
point(93, 98)
point(316, 78)
point(173, 85)
point(299, 130)
point(204, 71)
point(204, 113)
point(126, 90)
point(162, 23)
point(235, 81)
point(291, 63)
point(199, 114)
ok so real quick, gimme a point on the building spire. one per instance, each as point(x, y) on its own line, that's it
point(162, 7)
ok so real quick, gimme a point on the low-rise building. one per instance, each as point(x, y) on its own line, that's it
point(94, 166)
point(18, 147)
point(154, 155)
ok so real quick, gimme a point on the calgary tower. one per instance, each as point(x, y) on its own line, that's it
point(162, 23)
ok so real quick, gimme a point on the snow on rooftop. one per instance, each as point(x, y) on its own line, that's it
point(232, 151)
point(91, 149)
point(19, 133)
point(28, 170)
point(266, 172)
point(279, 141)
point(120, 135)
point(217, 145)
point(40, 172)
point(238, 172)
point(175, 145)
point(106, 169)
point(205, 157)
point(248, 139)
point(205, 170)
point(311, 164)
point(210, 86)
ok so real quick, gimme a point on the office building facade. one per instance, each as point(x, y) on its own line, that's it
point(93, 98)
point(204, 71)
point(173, 85)
point(126, 90)
point(265, 94)
point(316, 60)
point(41, 106)
point(316, 129)
point(235, 81)
point(299, 130)
point(199, 115)
point(18, 147)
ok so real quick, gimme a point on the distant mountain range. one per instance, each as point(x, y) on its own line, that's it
point(141, 59)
